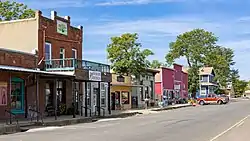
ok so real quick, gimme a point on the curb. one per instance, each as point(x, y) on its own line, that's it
point(171, 108)
point(11, 129)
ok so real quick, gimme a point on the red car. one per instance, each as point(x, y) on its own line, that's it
point(213, 99)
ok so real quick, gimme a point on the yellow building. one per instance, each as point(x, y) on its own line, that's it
point(121, 90)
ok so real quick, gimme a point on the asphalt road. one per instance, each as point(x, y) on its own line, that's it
point(203, 123)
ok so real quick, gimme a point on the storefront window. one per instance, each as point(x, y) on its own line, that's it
point(88, 92)
point(103, 95)
point(17, 95)
point(125, 97)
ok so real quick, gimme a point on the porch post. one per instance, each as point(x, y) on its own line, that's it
point(86, 98)
point(109, 101)
point(55, 99)
point(10, 97)
point(37, 96)
point(74, 98)
point(99, 99)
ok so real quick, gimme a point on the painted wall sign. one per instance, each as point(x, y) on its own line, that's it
point(3, 93)
point(62, 27)
point(95, 76)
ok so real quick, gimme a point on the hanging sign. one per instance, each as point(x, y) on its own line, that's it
point(95, 76)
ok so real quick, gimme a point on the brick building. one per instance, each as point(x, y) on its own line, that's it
point(171, 82)
point(63, 78)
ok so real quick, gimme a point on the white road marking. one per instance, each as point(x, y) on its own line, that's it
point(240, 124)
point(235, 125)
point(43, 129)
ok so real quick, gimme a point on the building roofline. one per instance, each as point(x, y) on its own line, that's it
point(19, 20)
point(152, 70)
point(16, 51)
point(178, 64)
point(162, 67)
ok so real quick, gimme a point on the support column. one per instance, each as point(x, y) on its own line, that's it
point(99, 99)
point(74, 98)
point(109, 101)
point(55, 98)
point(37, 97)
point(86, 98)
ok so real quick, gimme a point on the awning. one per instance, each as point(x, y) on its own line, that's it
point(21, 69)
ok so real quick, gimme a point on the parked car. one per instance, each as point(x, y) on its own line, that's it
point(213, 99)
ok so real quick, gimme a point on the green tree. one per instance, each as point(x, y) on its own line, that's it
point(193, 46)
point(221, 59)
point(126, 55)
point(155, 64)
point(239, 86)
point(10, 10)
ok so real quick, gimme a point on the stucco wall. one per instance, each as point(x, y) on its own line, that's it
point(19, 35)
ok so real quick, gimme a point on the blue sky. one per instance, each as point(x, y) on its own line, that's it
point(157, 22)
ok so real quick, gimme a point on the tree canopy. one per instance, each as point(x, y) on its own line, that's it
point(155, 64)
point(199, 48)
point(239, 86)
point(127, 56)
point(10, 10)
point(221, 59)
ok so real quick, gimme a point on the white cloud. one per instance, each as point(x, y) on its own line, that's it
point(46, 4)
point(152, 27)
point(141, 2)
point(158, 32)
point(132, 2)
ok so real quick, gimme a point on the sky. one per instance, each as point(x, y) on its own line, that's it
point(157, 22)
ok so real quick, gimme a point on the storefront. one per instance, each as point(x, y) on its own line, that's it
point(121, 91)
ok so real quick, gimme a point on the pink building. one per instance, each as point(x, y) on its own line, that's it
point(171, 82)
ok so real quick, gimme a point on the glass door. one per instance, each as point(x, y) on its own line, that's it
point(62, 57)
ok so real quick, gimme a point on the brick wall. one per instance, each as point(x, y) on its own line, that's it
point(18, 59)
point(47, 32)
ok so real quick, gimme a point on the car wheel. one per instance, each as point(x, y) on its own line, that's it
point(220, 102)
point(202, 102)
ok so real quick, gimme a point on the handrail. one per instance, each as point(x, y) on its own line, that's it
point(41, 115)
point(11, 114)
point(86, 114)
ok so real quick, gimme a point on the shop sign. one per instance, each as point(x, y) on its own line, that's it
point(177, 87)
point(95, 76)
point(62, 27)
point(3, 93)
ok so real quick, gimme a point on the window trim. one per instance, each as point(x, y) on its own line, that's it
point(75, 53)
point(63, 53)
point(50, 50)
point(19, 111)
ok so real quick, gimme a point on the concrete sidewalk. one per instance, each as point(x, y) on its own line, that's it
point(68, 120)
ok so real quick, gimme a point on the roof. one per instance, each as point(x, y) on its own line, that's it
point(21, 69)
point(152, 70)
point(185, 70)
point(206, 70)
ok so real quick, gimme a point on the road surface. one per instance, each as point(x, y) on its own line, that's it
point(204, 123)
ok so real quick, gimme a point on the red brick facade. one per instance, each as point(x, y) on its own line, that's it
point(47, 32)
point(18, 59)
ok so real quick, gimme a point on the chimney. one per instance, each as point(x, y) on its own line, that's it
point(53, 15)
point(38, 13)
point(80, 27)
point(67, 18)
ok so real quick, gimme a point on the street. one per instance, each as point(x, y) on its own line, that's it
point(228, 122)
